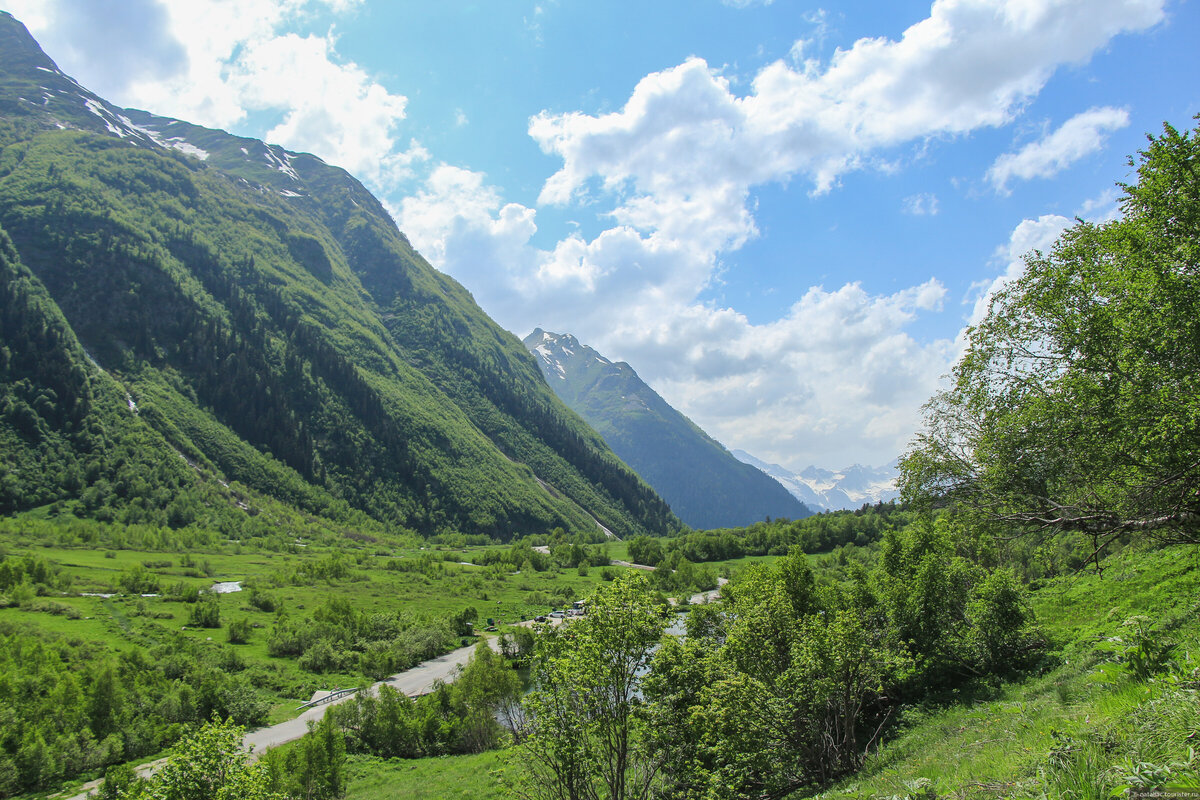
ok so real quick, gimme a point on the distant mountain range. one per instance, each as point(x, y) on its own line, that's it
point(825, 490)
point(703, 483)
point(194, 324)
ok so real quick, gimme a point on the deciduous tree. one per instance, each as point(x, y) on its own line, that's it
point(1076, 406)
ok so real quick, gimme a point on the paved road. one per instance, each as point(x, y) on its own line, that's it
point(418, 680)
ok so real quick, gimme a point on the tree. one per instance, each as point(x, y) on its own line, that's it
point(586, 735)
point(318, 764)
point(1076, 406)
point(792, 698)
point(208, 764)
point(644, 550)
point(486, 688)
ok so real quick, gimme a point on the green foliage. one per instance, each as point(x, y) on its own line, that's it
point(70, 707)
point(644, 550)
point(1146, 652)
point(315, 768)
point(815, 534)
point(1074, 407)
point(454, 719)
point(208, 764)
point(585, 736)
point(239, 631)
point(206, 613)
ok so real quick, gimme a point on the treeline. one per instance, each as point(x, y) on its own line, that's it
point(816, 534)
point(479, 711)
point(564, 554)
point(70, 707)
point(459, 717)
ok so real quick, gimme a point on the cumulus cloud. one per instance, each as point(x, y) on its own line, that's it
point(837, 379)
point(1079, 136)
point(970, 64)
point(840, 377)
point(1036, 234)
point(110, 40)
point(214, 62)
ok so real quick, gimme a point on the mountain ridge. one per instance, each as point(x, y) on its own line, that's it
point(703, 483)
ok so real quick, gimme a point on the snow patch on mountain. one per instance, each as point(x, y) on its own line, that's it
point(124, 127)
point(830, 490)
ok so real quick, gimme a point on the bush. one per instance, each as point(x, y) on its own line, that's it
point(239, 631)
point(205, 614)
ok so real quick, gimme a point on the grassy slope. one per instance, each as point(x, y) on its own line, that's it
point(1068, 731)
point(425, 778)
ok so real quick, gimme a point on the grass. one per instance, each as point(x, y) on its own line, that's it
point(425, 779)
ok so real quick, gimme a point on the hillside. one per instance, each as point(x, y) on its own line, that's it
point(172, 290)
point(703, 483)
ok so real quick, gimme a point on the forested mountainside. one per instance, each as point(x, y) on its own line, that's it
point(701, 480)
point(170, 290)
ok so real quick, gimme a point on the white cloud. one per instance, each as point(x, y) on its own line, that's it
point(214, 62)
point(840, 377)
point(970, 64)
point(836, 380)
point(746, 3)
point(921, 205)
point(1105, 207)
point(1079, 136)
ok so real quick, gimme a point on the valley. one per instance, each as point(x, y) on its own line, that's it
point(256, 450)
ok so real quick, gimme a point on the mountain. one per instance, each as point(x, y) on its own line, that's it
point(828, 491)
point(703, 483)
point(191, 318)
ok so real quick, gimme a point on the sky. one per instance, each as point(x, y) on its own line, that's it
point(783, 214)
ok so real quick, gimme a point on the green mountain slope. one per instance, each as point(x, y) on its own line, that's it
point(703, 482)
point(274, 327)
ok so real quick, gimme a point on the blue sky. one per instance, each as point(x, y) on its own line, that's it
point(782, 214)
